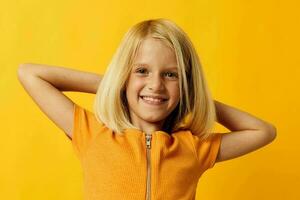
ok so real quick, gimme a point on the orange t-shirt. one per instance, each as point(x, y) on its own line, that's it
point(115, 166)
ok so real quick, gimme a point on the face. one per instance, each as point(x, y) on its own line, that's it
point(152, 89)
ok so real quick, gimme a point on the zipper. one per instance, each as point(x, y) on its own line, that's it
point(148, 153)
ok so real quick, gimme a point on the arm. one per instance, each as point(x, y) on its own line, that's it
point(45, 83)
point(65, 79)
point(248, 132)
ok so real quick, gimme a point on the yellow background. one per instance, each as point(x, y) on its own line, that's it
point(250, 54)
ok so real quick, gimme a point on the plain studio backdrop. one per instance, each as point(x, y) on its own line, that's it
point(250, 54)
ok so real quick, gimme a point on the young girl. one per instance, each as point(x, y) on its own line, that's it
point(150, 135)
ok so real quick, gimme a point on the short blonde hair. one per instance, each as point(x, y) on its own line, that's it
point(196, 109)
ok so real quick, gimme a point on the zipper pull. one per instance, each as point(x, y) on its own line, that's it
point(148, 140)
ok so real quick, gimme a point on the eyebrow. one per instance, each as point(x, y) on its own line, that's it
point(145, 64)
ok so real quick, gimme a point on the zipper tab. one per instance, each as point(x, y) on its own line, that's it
point(148, 140)
point(148, 152)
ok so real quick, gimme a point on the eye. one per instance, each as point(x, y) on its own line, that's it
point(141, 70)
point(171, 74)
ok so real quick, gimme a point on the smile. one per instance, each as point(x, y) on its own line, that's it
point(153, 101)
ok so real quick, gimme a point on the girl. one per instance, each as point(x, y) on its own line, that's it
point(150, 135)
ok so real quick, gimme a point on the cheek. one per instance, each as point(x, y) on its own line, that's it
point(134, 87)
point(174, 91)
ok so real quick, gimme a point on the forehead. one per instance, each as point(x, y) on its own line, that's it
point(169, 67)
point(154, 52)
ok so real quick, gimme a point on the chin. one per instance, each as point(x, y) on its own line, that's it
point(152, 119)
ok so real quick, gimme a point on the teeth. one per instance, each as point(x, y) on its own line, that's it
point(153, 99)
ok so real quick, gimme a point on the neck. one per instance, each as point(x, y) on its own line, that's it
point(147, 127)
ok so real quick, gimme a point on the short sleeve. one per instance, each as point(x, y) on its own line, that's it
point(85, 128)
point(207, 150)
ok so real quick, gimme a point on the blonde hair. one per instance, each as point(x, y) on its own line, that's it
point(196, 109)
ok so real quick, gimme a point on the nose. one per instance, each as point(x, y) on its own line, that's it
point(155, 82)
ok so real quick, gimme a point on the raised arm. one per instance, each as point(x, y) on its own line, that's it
point(45, 84)
point(248, 132)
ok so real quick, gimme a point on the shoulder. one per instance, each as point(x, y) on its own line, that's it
point(86, 119)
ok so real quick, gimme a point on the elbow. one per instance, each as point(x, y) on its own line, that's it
point(274, 133)
point(271, 132)
point(20, 70)
point(23, 68)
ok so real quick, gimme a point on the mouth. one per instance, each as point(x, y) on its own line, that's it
point(153, 101)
